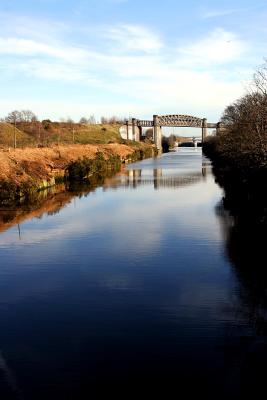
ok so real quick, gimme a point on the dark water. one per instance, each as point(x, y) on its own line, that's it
point(139, 288)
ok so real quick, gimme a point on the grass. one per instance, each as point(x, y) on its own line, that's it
point(7, 136)
point(30, 134)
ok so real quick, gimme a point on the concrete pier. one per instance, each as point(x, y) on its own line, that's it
point(135, 130)
point(157, 132)
point(204, 129)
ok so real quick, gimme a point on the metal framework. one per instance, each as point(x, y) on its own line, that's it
point(177, 120)
point(180, 121)
point(144, 123)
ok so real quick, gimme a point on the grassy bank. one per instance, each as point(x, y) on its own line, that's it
point(25, 172)
point(47, 133)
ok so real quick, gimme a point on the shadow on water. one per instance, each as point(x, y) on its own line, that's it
point(240, 215)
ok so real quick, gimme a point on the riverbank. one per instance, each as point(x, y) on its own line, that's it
point(244, 181)
point(25, 172)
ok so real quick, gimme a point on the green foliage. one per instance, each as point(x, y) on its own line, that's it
point(85, 168)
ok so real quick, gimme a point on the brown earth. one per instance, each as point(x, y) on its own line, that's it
point(43, 164)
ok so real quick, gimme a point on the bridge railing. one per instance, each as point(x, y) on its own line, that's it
point(144, 123)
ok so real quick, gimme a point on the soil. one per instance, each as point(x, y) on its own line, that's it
point(22, 165)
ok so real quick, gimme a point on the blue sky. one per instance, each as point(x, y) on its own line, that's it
point(66, 58)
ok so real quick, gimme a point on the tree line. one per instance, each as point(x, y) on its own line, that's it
point(242, 143)
point(28, 116)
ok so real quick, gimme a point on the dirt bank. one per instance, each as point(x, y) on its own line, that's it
point(31, 169)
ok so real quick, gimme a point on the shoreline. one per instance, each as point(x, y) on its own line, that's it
point(244, 190)
point(27, 172)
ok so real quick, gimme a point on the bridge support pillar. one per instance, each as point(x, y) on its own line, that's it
point(157, 132)
point(135, 130)
point(127, 130)
point(140, 132)
point(204, 129)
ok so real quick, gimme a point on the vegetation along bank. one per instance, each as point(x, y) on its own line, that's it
point(24, 172)
point(239, 153)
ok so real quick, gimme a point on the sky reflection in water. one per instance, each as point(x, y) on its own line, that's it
point(125, 288)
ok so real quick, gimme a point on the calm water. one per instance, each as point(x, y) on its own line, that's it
point(129, 291)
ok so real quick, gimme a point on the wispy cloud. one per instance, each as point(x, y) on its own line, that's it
point(218, 13)
point(131, 62)
point(27, 27)
point(220, 46)
point(134, 37)
point(27, 47)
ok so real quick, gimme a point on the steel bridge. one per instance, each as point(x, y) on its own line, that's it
point(176, 120)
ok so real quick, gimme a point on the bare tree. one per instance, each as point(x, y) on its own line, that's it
point(260, 79)
point(14, 117)
point(28, 116)
point(112, 120)
point(91, 120)
point(83, 121)
point(104, 120)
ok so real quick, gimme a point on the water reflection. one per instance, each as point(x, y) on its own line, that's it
point(162, 175)
point(127, 290)
point(156, 177)
point(51, 201)
point(245, 248)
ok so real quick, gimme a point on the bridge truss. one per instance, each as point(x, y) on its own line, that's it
point(180, 121)
point(177, 120)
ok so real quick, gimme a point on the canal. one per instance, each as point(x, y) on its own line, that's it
point(130, 291)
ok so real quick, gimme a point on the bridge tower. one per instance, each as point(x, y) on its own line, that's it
point(204, 129)
point(157, 132)
point(127, 130)
point(140, 132)
point(135, 130)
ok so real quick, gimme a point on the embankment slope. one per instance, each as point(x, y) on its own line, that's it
point(31, 169)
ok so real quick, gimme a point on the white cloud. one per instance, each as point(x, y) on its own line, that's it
point(219, 47)
point(134, 37)
point(31, 28)
point(190, 79)
point(27, 47)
